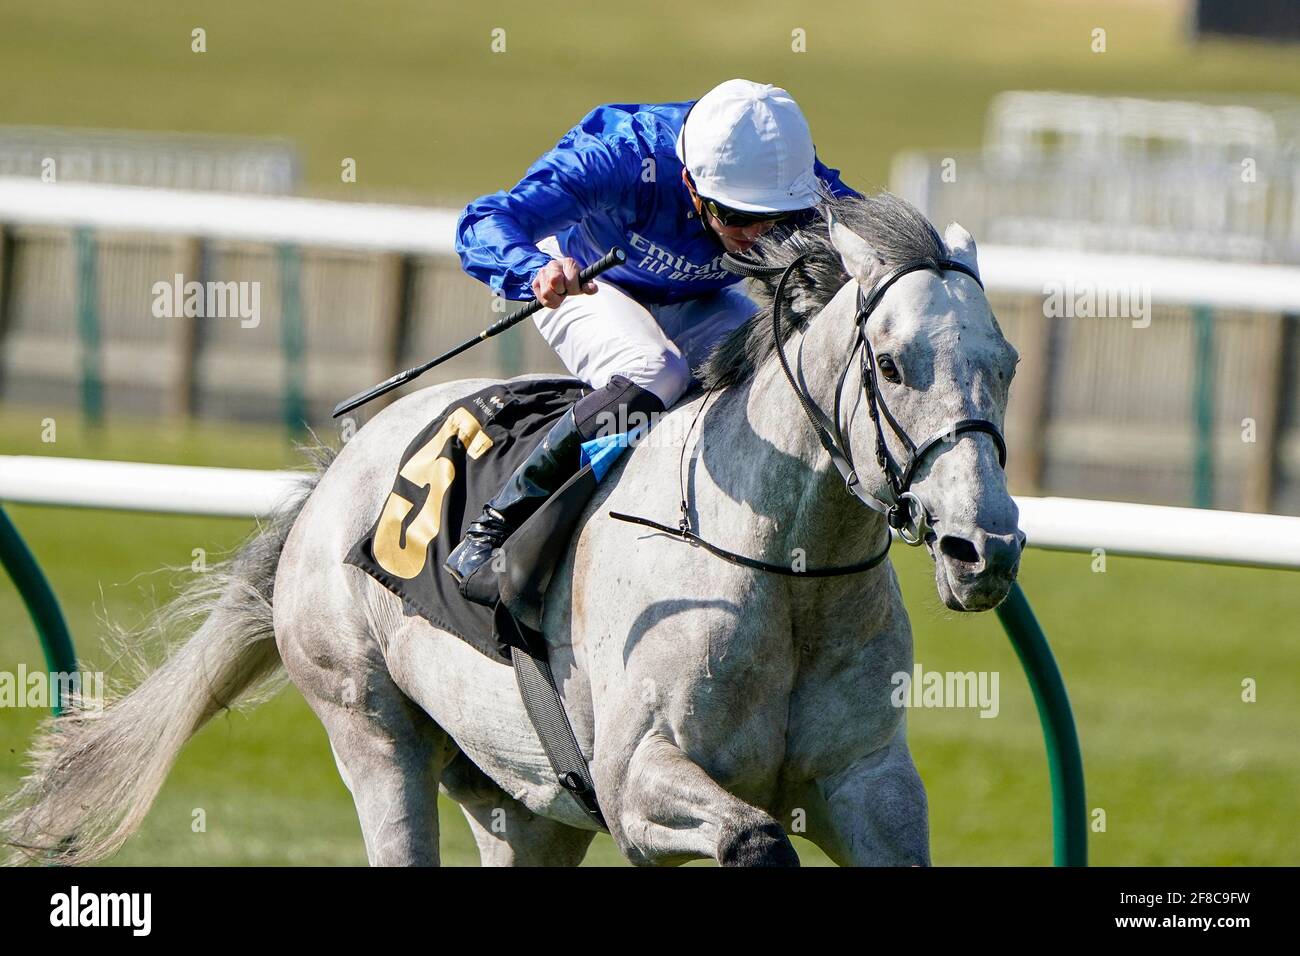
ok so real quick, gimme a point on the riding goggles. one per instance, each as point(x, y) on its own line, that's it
point(738, 218)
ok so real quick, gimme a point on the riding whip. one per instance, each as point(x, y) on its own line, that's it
point(615, 256)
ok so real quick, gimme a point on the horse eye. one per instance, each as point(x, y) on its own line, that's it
point(889, 369)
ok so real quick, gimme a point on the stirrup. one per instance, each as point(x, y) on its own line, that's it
point(475, 549)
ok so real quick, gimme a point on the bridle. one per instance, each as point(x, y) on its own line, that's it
point(905, 512)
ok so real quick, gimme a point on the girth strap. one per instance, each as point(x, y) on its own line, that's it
point(545, 710)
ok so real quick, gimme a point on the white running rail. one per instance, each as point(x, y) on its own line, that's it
point(208, 215)
point(427, 231)
point(1066, 524)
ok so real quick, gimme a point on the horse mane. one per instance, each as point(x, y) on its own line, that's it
point(893, 227)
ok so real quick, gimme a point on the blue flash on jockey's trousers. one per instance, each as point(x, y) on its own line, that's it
point(601, 452)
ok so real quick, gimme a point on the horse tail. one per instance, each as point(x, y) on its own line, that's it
point(95, 770)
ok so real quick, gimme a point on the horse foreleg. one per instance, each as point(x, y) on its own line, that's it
point(670, 810)
point(876, 813)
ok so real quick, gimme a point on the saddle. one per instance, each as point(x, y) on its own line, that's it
point(448, 471)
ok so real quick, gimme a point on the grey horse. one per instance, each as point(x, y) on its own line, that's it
point(716, 703)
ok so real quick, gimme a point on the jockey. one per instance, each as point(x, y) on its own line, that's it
point(676, 185)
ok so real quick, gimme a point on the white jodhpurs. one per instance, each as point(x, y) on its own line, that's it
point(655, 346)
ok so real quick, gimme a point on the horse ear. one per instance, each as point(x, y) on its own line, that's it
point(961, 246)
point(860, 260)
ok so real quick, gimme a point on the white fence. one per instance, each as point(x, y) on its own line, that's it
point(134, 157)
point(314, 223)
point(426, 231)
point(1065, 524)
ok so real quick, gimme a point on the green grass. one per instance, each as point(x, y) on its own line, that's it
point(1153, 654)
point(413, 92)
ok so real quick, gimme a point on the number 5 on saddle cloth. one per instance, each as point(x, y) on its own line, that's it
point(446, 474)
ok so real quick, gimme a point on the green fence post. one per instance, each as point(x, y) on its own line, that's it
point(1064, 759)
point(41, 603)
point(1203, 409)
point(92, 389)
point(291, 337)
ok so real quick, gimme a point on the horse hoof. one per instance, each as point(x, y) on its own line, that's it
point(762, 845)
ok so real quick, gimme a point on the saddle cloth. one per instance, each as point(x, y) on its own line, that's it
point(447, 473)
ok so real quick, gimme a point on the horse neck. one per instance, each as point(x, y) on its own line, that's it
point(793, 479)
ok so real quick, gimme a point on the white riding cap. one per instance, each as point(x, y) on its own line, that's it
point(747, 145)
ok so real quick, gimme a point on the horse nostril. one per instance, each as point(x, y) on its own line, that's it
point(1002, 552)
point(959, 549)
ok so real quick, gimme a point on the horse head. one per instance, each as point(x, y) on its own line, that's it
point(929, 400)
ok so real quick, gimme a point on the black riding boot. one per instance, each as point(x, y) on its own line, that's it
point(553, 462)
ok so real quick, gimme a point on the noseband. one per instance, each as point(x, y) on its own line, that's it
point(905, 512)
